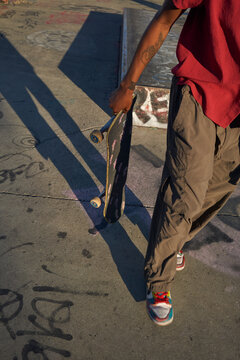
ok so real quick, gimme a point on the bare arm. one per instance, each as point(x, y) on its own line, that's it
point(149, 45)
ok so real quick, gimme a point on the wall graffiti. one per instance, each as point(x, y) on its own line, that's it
point(151, 107)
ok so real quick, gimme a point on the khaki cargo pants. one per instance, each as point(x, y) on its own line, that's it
point(201, 170)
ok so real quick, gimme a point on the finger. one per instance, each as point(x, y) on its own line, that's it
point(115, 111)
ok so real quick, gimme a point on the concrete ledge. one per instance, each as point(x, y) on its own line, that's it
point(153, 88)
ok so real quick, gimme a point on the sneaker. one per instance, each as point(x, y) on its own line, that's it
point(159, 307)
point(180, 261)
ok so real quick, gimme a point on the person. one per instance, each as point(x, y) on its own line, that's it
point(202, 165)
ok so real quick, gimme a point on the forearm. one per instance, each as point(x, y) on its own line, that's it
point(147, 48)
point(150, 43)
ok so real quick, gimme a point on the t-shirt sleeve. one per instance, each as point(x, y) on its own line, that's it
point(185, 4)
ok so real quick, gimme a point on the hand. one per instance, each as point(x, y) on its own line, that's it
point(121, 99)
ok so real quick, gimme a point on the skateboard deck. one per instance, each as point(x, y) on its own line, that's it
point(118, 139)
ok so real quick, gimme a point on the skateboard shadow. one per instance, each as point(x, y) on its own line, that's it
point(18, 84)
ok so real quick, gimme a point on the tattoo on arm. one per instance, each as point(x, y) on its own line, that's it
point(149, 53)
point(132, 85)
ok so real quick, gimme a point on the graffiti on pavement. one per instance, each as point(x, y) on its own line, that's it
point(46, 323)
point(28, 168)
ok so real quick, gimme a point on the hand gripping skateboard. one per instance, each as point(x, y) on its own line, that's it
point(118, 139)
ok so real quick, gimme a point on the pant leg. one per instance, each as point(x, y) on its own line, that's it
point(187, 171)
point(226, 175)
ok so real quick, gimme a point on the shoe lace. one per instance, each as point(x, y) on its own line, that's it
point(161, 297)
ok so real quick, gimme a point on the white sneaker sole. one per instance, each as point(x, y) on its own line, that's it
point(160, 323)
point(180, 268)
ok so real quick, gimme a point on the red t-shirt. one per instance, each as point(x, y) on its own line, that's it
point(209, 56)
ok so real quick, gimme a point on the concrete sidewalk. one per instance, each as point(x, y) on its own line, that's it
point(63, 292)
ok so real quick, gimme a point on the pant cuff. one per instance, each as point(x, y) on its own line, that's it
point(159, 287)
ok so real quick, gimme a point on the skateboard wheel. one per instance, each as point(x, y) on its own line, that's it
point(96, 136)
point(96, 202)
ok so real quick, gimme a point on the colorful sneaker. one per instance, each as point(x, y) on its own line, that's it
point(180, 261)
point(159, 307)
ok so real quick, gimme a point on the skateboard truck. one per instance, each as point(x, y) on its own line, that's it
point(97, 135)
point(96, 202)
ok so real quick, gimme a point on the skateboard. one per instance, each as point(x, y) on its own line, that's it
point(118, 139)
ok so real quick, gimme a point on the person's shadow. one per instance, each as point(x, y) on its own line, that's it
point(18, 80)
